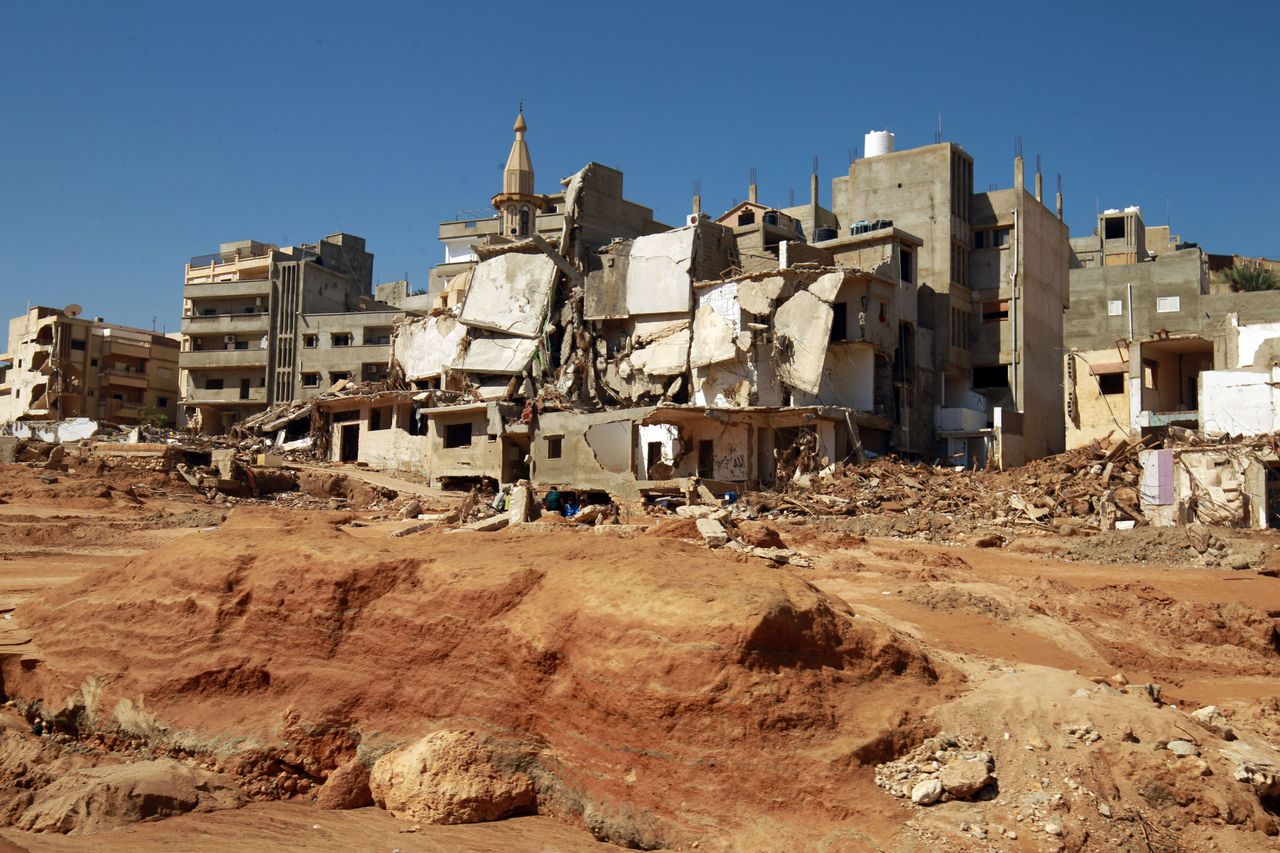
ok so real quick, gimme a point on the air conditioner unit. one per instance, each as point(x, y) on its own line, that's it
point(229, 339)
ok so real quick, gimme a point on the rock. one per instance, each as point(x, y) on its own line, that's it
point(700, 511)
point(1037, 743)
point(927, 792)
point(411, 510)
point(1237, 562)
point(102, 798)
point(1194, 766)
point(1212, 719)
point(484, 525)
point(1182, 748)
point(1104, 810)
point(448, 777)
point(590, 513)
point(1053, 827)
point(962, 779)
point(346, 788)
point(713, 532)
point(760, 535)
point(991, 540)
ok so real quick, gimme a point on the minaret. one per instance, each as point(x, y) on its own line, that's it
point(517, 204)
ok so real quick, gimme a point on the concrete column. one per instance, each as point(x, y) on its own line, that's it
point(1017, 173)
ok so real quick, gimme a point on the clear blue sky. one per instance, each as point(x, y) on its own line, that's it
point(136, 134)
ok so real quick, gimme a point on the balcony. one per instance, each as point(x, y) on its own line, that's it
point(121, 409)
point(222, 359)
point(225, 324)
point(229, 267)
point(223, 396)
point(227, 289)
point(131, 349)
point(124, 378)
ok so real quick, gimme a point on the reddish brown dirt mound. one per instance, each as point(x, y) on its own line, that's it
point(672, 695)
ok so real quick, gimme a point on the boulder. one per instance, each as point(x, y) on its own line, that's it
point(411, 510)
point(1182, 748)
point(962, 779)
point(346, 788)
point(102, 798)
point(1212, 719)
point(926, 792)
point(448, 777)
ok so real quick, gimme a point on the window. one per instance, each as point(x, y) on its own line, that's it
point(980, 239)
point(706, 458)
point(1114, 308)
point(310, 380)
point(996, 311)
point(251, 309)
point(338, 375)
point(417, 421)
point(1168, 304)
point(1150, 374)
point(1111, 383)
point(457, 435)
point(908, 260)
point(996, 376)
point(77, 345)
point(999, 237)
point(380, 418)
point(959, 328)
point(242, 345)
point(340, 339)
point(747, 217)
point(162, 402)
point(376, 338)
point(213, 384)
point(555, 446)
point(524, 222)
point(164, 372)
point(310, 341)
point(840, 321)
point(1113, 228)
point(208, 312)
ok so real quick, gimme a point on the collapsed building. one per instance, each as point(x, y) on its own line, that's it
point(741, 351)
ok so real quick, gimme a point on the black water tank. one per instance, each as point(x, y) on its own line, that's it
point(822, 234)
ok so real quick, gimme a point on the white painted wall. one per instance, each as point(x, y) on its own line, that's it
point(1238, 402)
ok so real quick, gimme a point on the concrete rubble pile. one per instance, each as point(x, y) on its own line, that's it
point(1092, 487)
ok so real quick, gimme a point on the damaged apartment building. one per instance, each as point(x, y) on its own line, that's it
point(62, 366)
point(262, 326)
point(577, 343)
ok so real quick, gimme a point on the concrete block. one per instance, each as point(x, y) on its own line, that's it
point(8, 449)
point(713, 532)
point(484, 525)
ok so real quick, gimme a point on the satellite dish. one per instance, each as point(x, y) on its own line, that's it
point(73, 310)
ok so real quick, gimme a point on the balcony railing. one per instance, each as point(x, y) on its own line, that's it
point(223, 258)
point(225, 395)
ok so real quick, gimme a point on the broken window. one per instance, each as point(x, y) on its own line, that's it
point(996, 311)
point(555, 446)
point(77, 345)
point(457, 435)
point(340, 339)
point(747, 217)
point(1150, 374)
point(310, 341)
point(213, 384)
point(908, 263)
point(839, 321)
point(338, 375)
point(380, 418)
point(996, 376)
point(653, 454)
point(310, 380)
point(1113, 228)
point(417, 421)
point(1111, 383)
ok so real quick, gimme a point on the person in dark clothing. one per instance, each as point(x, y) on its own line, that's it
point(553, 502)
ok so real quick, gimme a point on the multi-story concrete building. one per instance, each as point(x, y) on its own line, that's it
point(1144, 323)
point(62, 365)
point(263, 325)
point(991, 274)
point(522, 212)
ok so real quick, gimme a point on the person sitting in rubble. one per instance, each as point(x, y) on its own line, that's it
point(553, 502)
point(502, 500)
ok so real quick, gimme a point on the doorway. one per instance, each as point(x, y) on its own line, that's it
point(349, 445)
point(244, 388)
point(706, 459)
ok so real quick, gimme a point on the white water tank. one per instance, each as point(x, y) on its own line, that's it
point(877, 142)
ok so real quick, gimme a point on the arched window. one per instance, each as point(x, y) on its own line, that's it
point(524, 222)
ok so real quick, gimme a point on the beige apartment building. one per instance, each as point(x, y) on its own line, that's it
point(263, 325)
point(61, 365)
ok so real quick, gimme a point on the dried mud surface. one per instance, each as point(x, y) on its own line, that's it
point(660, 695)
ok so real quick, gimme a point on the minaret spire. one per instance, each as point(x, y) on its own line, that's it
point(517, 204)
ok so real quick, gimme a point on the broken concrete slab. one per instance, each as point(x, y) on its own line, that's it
point(697, 511)
point(667, 356)
point(758, 297)
point(484, 525)
point(827, 286)
point(658, 280)
point(713, 340)
point(425, 346)
point(503, 355)
point(803, 329)
point(510, 294)
point(520, 504)
point(713, 532)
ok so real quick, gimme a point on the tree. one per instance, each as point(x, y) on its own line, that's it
point(1252, 277)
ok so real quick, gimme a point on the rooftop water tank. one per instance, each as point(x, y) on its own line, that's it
point(821, 235)
point(878, 142)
